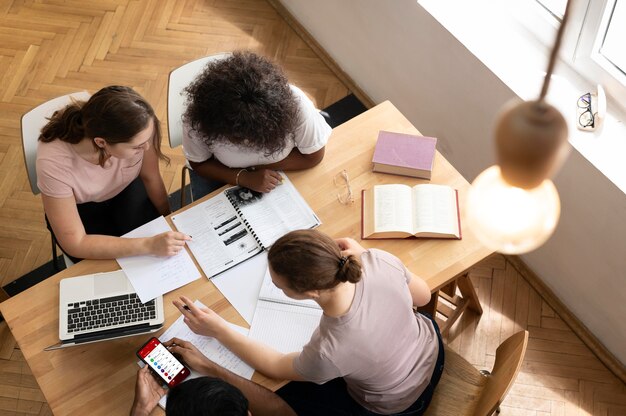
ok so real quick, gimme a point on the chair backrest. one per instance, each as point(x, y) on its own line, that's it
point(179, 79)
point(509, 358)
point(32, 123)
point(463, 390)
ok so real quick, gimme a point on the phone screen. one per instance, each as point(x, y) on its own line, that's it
point(163, 362)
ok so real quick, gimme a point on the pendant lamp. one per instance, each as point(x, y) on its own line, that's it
point(513, 207)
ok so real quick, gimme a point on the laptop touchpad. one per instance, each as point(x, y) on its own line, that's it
point(114, 283)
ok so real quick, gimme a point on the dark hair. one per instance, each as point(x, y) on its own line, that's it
point(116, 114)
point(310, 260)
point(243, 99)
point(206, 396)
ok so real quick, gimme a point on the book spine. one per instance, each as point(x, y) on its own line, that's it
point(243, 219)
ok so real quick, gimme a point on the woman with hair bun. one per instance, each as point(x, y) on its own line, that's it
point(98, 172)
point(371, 354)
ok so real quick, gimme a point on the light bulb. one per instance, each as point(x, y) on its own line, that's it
point(509, 219)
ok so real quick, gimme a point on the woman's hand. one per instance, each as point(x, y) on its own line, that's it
point(348, 247)
point(260, 180)
point(168, 243)
point(202, 321)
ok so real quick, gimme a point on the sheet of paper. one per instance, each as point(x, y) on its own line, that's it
point(208, 346)
point(152, 276)
point(270, 292)
point(286, 328)
point(241, 285)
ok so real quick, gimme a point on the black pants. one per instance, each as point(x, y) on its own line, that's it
point(332, 398)
point(124, 212)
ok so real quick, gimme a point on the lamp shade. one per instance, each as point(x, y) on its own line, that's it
point(510, 219)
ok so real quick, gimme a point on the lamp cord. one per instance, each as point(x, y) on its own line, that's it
point(554, 53)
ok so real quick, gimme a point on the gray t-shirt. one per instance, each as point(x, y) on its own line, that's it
point(385, 352)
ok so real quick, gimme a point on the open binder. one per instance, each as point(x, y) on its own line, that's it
point(239, 223)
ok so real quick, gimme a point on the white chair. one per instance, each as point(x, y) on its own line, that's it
point(32, 123)
point(179, 79)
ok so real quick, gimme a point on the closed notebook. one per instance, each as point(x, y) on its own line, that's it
point(404, 154)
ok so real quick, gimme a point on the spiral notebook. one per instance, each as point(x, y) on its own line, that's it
point(239, 223)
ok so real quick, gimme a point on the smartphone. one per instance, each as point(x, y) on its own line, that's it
point(162, 362)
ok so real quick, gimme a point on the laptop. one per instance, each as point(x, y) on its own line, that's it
point(103, 306)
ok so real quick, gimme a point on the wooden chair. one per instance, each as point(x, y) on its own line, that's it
point(31, 124)
point(179, 79)
point(463, 390)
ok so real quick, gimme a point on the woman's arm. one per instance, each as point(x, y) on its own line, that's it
point(260, 180)
point(420, 292)
point(259, 356)
point(68, 228)
point(297, 161)
point(152, 180)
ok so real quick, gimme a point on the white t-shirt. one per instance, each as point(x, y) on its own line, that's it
point(310, 135)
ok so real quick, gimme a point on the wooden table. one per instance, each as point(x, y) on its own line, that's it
point(98, 379)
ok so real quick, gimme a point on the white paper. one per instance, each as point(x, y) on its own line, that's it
point(210, 347)
point(286, 328)
point(152, 276)
point(270, 292)
point(241, 285)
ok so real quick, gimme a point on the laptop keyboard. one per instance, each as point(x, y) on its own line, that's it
point(108, 312)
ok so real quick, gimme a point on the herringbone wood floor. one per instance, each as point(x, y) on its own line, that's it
point(50, 48)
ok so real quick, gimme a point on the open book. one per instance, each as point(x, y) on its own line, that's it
point(401, 211)
point(239, 223)
point(283, 323)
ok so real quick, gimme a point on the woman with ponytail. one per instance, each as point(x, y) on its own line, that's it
point(98, 172)
point(371, 354)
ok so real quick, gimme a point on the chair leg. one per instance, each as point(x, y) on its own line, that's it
point(183, 183)
point(55, 257)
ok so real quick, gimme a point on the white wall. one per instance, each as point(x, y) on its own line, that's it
point(394, 50)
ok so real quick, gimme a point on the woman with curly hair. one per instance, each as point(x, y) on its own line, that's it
point(371, 353)
point(244, 121)
point(98, 172)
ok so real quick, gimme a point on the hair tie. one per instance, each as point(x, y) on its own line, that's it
point(342, 261)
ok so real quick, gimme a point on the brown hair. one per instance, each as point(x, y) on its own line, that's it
point(115, 113)
point(310, 260)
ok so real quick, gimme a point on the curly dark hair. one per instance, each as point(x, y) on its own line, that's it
point(243, 99)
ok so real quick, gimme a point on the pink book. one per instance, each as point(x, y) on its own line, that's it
point(404, 154)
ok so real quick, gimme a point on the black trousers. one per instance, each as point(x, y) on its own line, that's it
point(124, 212)
point(332, 398)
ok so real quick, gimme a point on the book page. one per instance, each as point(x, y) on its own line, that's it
point(209, 347)
point(286, 328)
point(435, 209)
point(272, 215)
point(392, 208)
point(152, 276)
point(270, 292)
point(220, 239)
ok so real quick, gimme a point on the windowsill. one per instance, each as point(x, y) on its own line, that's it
point(520, 61)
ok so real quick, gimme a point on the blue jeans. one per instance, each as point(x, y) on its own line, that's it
point(201, 186)
point(332, 398)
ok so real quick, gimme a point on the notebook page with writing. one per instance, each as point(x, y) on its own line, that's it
point(286, 328)
point(220, 238)
point(210, 347)
point(272, 215)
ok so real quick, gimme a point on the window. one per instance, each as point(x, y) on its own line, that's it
point(592, 43)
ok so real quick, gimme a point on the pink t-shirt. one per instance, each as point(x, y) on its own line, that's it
point(384, 351)
point(61, 173)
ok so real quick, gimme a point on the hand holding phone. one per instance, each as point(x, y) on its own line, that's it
point(162, 362)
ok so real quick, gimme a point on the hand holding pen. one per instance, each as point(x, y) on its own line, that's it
point(202, 321)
